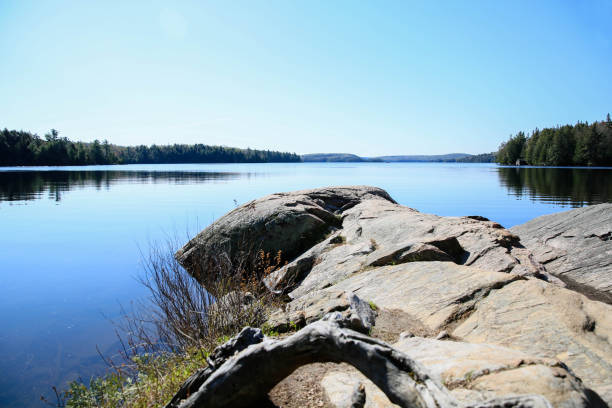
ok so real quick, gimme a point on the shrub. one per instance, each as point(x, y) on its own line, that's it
point(167, 338)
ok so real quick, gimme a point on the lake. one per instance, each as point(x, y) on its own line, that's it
point(71, 237)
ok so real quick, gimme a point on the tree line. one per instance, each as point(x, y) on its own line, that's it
point(582, 144)
point(21, 148)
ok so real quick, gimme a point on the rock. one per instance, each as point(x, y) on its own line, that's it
point(338, 384)
point(576, 246)
point(548, 321)
point(474, 372)
point(379, 233)
point(435, 293)
point(384, 269)
point(296, 314)
point(329, 233)
point(286, 222)
point(536, 317)
point(478, 372)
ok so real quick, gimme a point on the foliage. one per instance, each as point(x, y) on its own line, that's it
point(268, 331)
point(150, 380)
point(578, 145)
point(20, 148)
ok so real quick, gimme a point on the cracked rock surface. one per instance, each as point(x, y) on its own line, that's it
point(575, 245)
point(548, 321)
point(478, 372)
point(378, 232)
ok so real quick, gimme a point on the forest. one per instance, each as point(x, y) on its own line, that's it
point(21, 148)
point(582, 144)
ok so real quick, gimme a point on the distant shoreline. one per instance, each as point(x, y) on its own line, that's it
point(440, 158)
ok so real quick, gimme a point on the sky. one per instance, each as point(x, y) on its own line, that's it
point(370, 78)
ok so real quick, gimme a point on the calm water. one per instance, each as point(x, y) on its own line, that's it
point(70, 237)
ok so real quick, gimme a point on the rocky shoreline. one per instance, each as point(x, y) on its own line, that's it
point(485, 314)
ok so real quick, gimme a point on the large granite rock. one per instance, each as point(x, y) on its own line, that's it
point(356, 252)
point(376, 233)
point(311, 308)
point(286, 222)
point(575, 245)
point(332, 232)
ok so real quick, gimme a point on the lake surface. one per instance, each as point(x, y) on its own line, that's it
point(71, 237)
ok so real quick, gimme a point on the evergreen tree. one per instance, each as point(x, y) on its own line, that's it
point(18, 148)
point(580, 145)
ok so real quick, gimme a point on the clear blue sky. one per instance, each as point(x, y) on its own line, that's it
point(370, 78)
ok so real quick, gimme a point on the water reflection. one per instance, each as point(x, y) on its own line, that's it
point(566, 186)
point(31, 185)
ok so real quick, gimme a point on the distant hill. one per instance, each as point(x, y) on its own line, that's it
point(422, 158)
point(347, 157)
point(478, 158)
point(331, 157)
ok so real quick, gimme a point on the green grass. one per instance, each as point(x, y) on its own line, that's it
point(268, 331)
point(157, 380)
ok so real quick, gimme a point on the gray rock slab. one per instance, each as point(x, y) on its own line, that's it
point(575, 245)
point(337, 384)
point(479, 372)
point(436, 293)
point(313, 307)
point(548, 321)
point(380, 232)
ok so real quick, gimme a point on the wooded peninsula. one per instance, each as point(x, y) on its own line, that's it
point(581, 144)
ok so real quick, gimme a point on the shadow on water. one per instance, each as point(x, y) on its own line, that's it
point(32, 185)
point(566, 186)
